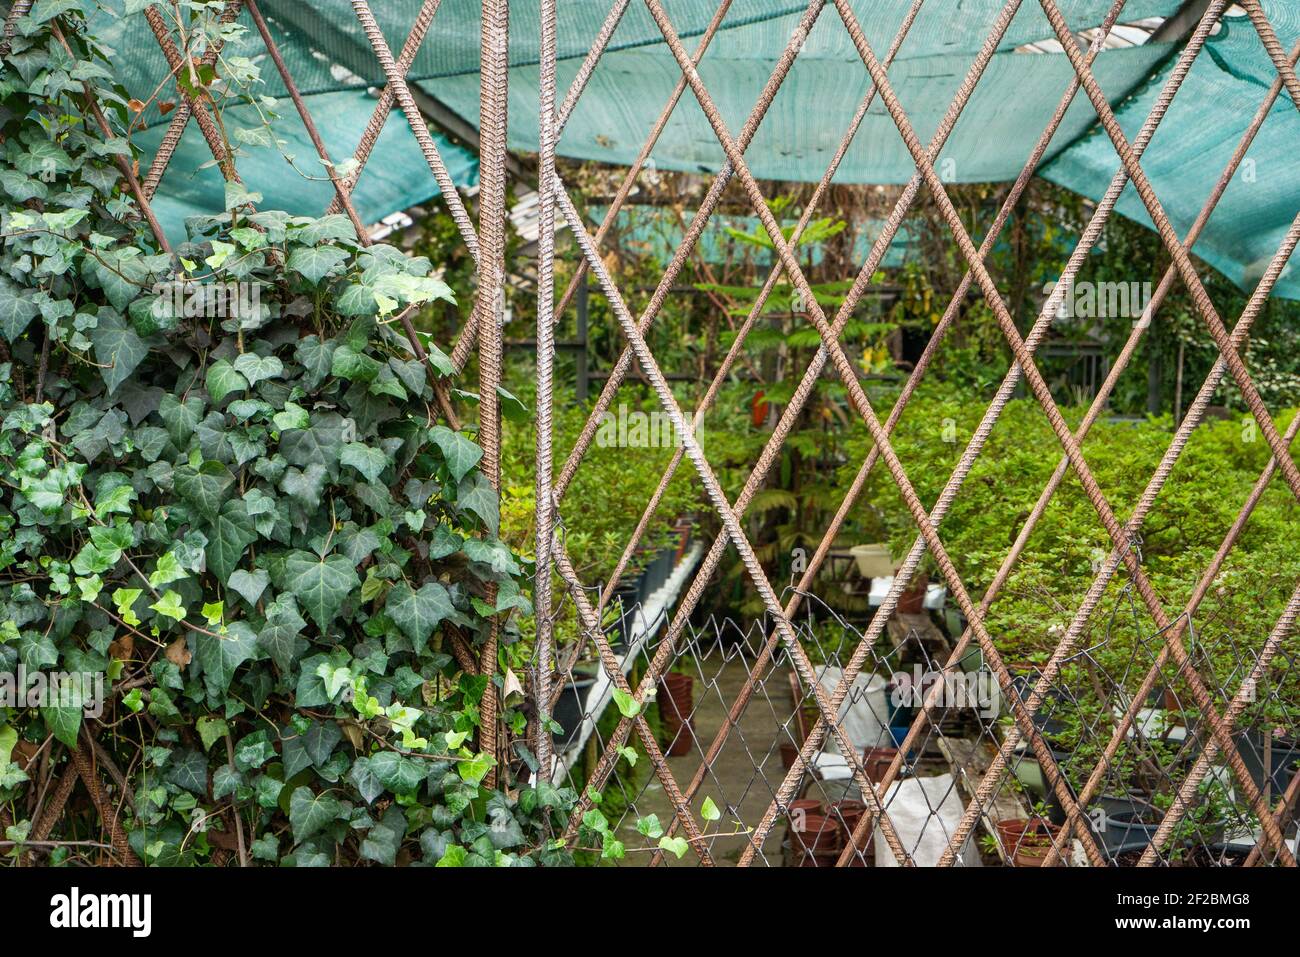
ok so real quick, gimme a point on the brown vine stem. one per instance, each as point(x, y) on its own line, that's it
point(125, 167)
point(234, 808)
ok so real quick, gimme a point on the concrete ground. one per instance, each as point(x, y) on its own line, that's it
point(743, 777)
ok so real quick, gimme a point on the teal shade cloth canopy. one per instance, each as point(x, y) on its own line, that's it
point(332, 63)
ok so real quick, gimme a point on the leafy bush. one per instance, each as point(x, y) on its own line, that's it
point(240, 515)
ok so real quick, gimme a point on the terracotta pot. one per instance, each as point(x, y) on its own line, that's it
point(1027, 842)
point(849, 812)
point(758, 410)
point(683, 529)
point(816, 838)
point(682, 738)
point(675, 691)
point(876, 762)
point(912, 601)
point(789, 752)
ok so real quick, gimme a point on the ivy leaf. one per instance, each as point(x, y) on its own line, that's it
point(255, 368)
point(205, 488)
point(221, 656)
point(321, 584)
point(675, 845)
point(305, 485)
point(366, 460)
point(17, 309)
point(310, 813)
point(169, 605)
point(222, 380)
point(36, 650)
point(380, 845)
point(476, 495)
point(187, 769)
point(180, 418)
point(709, 811)
point(335, 227)
point(320, 740)
point(248, 585)
point(365, 780)
point(476, 768)
point(64, 721)
point(628, 706)
point(316, 358)
point(49, 9)
point(226, 781)
point(118, 349)
point(315, 262)
point(352, 365)
point(281, 635)
point(253, 751)
point(493, 553)
point(458, 452)
point(318, 445)
point(454, 856)
point(211, 730)
point(417, 613)
point(293, 416)
point(399, 774)
point(231, 534)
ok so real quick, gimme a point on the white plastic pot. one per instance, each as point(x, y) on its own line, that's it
point(874, 560)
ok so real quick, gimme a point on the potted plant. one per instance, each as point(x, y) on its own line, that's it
point(876, 762)
point(570, 708)
point(1131, 821)
point(1271, 758)
point(912, 600)
point(816, 837)
point(683, 528)
point(624, 603)
point(1026, 841)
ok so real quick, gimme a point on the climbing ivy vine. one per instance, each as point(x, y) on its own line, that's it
point(233, 528)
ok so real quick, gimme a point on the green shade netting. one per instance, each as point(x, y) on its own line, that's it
point(1189, 151)
point(395, 178)
point(327, 52)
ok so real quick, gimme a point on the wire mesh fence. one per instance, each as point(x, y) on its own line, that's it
point(1146, 735)
point(1088, 756)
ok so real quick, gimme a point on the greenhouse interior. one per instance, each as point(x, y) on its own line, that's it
point(670, 433)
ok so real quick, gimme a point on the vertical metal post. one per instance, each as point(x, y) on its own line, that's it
point(545, 371)
point(494, 79)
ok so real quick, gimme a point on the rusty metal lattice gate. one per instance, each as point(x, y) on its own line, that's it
point(811, 717)
point(875, 815)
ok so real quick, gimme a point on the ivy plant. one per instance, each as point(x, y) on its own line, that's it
point(227, 499)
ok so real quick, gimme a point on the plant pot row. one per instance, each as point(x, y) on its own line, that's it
point(625, 603)
point(819, 832)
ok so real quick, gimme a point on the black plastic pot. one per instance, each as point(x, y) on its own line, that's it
point(1283, 758)
point(568, 712)
point(645, 583)
point(1125, 822)
point(1133, 827)
point(625, 601)
point(658, 569)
